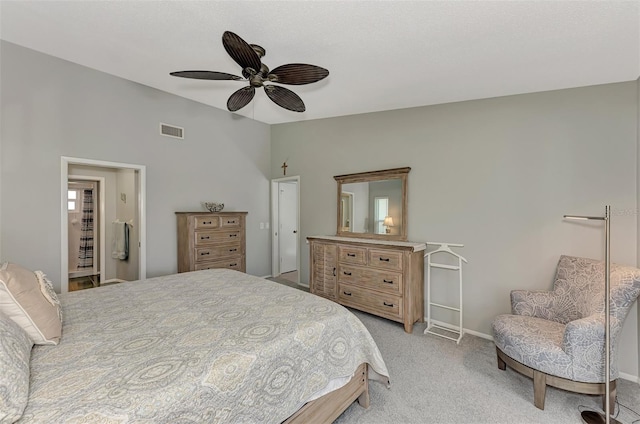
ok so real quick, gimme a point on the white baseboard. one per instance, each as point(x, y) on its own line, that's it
point(623, 375)
point(629, 377)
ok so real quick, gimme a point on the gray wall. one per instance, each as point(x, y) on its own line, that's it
point(127, 211)
point(52, 108)
point(496, 175)
point(638, 205)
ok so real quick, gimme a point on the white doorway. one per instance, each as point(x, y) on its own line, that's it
point(285, 219)
point(138, 238)
point(86, 228)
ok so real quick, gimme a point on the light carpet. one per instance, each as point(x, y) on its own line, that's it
point(433, 380)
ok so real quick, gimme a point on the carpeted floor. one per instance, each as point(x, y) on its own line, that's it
point(433, 380)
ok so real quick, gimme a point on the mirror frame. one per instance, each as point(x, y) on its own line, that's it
point(361, 177)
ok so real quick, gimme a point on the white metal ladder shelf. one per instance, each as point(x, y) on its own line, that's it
point(450, 329)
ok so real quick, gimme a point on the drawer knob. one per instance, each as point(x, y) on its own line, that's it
point(232, 250)
point(388, 304)
point(384, 259)
point(346, 273)
point(204, 238)
point(388, 281)
point(233, 235)
point(353, 255)
point(347, 293)
point(334, 271)
point(204, 253)
point(206, 222)
point(231, 222)
point(233, 264)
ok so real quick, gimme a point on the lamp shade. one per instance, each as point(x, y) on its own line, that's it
point(388, 221)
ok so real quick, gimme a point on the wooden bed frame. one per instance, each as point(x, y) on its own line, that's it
point(327, 408)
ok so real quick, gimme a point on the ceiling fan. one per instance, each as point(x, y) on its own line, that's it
point(257, 74)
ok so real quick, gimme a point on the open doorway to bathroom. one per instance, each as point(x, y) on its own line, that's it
point(106, 197)
point(85, 223)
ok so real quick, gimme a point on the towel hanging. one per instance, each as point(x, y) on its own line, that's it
point(120, 248)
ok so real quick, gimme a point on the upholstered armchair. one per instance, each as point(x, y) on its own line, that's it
point(557, 337)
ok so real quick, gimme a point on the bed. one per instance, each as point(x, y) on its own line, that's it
point(213, 346)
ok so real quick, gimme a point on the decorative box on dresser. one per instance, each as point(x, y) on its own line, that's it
point(211, 240)
point(384, 278)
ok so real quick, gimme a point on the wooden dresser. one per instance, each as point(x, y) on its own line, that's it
point(384, 278)
point(211, 240)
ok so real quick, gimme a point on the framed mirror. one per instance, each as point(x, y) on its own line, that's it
point(373, 204)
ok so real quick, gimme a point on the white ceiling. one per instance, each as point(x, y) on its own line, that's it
point(381, 55)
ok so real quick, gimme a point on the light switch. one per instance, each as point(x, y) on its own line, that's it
point(267, 225)
point(262, 225)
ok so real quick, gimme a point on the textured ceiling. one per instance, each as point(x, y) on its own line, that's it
point(381, 55)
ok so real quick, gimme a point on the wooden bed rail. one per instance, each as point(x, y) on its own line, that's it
point(327, 408)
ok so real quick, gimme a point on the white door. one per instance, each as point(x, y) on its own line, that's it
point(288, 225)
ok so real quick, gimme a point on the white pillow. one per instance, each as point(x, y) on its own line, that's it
point(28, 299)
point(15, 353)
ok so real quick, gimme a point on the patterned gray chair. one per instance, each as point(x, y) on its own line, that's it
point(557, 337)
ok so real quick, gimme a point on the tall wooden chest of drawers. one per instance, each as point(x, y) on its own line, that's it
point(211, 240)
point(384, 278)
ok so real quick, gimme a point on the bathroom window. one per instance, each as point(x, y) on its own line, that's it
point(72, 201)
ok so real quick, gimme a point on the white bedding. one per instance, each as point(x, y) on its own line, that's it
point(206, 346)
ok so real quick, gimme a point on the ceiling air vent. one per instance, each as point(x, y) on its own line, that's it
point(171, 131)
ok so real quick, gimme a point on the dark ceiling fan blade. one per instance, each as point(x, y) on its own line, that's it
point(240, 51)
point(240, 98)
point(285, 98)
point(298, 74)
point(205, 75)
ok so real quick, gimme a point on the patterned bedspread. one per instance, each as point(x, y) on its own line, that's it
point(208, 346)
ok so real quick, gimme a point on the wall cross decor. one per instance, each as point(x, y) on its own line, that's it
point(284, 168)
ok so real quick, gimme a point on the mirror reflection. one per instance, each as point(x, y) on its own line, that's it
point(346, 208)
point(372, 207)
point(373, 204)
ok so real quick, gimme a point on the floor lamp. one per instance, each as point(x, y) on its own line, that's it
point(593, 417)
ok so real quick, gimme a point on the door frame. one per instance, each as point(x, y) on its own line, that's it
point(350, 196)
point(275, 220)
point(65, 161)
point(101, 221)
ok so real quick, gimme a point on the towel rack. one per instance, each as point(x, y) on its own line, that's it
point(130, 223)
point(449, 328)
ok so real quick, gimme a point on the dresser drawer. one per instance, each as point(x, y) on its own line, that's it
point(205, 254)
point(385, 259)
point(208, 237)
point(352, 255)
point(231, 263)
point(373, 279)
point(231, 221)
point(206, 222)
point(385, 305)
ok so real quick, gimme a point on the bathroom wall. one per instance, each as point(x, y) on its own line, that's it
point(127, 211)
